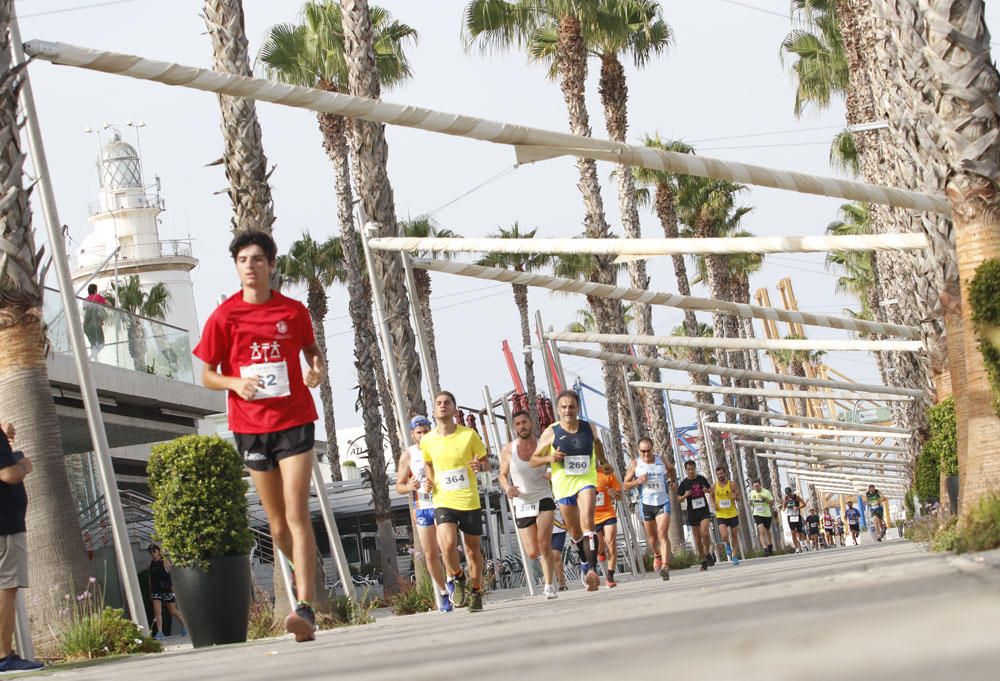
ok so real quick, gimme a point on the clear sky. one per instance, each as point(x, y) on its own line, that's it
point(721, 87)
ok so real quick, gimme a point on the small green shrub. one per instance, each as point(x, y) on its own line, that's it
point(939, 452)
point(413, 599)
point(979, 527)
point(682, 559)
point(201, 508)
point(945, 538)
point(263, 623)
point(92, 630)
point(984, 298)
point(344, 612)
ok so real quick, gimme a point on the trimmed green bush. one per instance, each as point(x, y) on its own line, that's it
point(200, 507)
point(984, 298)
point(412, 599)
point(940, 451)
point(979, 527)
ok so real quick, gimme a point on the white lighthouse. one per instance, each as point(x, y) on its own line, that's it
point(125, 217)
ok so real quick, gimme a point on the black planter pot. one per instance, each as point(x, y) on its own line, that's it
point(951, 483)
point(215, 603)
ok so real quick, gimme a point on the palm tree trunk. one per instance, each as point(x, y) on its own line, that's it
point(521, 301)
point(372, 154)
point(244, 159)
point(614, 96)
point(571, 62)
point(55, 543)
point(422, 279)
point(317, 305)
point(365, 341)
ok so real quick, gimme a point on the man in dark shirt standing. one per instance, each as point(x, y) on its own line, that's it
point(14, 466)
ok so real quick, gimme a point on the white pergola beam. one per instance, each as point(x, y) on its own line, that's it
point(789, 418)
point(908, 241)
point(740, 343)
point(678, 365)
point(531, 144)
point(818, 450)
point(776, 394)
point(818, 474)
point(741, 428)
point(714, 305)
point(826, 459)
point(825, 444)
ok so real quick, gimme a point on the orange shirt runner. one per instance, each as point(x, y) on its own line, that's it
point(605, 508)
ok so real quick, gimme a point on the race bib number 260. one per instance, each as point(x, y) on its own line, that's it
point(577, 464)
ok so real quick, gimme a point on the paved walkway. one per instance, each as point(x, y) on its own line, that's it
point(886, 611)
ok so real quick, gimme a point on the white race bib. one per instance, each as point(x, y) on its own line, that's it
point(576, 464)
point(654, 484)
point(761, 509)
point(425, 500)
point(454, 480)
point(600, 499)
point(725, 503)
point(523, 510)
point(272, 379)
point(698, 502)
point(793, 518)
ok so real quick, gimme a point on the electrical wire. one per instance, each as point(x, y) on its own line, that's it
point(78, 8)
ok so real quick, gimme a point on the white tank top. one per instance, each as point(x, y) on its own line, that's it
point(421, 499)
point(654, 490)
point(530, 482)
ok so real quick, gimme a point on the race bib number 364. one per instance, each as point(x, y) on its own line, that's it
point(272, 379)
point(454, 480)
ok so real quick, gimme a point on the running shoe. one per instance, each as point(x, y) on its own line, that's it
point(159, 636)
point(704, 565)
point(736, 561)
point(16, 663)
point(459, 594)
point(591, 580)
point(446, 605)
point(550, 592)
point(799, 550)
point(584, 569)
point(563, 587)
point(711, 559)
point(729, 552)
point(302, 623)
point(476, 601)
point(657, 563)
point(600, 558)
point(665, 573)
point(184, 632)
point(611, 584)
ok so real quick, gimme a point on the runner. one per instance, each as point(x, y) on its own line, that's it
point(840, 533)
point(410, 480)
point(828, 526)
point(650, 475)
point(793, 505)
point(250, 346)
point(558, 544)
point(530, 493)
point(453, 455)
point(606, 521)
point(726, 497)
point(572, 447)
point(812, 528)
point(695, 489)
point(853, 521)
point(762, 507)
point(874, 498)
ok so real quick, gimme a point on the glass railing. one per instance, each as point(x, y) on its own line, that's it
point(122, 339)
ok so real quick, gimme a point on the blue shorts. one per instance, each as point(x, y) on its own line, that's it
point(558, 541)
point(613, 520)
point(650, 512)
point(425, 517)
point(571, 501)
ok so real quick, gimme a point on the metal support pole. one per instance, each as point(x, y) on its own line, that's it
point(631, 408)
point(286, 574)
point(545, 357)
point(421, 332)
point(628, 531)
point(22, 632)
point(529, 578)
point(332, 532)
point(74, 330)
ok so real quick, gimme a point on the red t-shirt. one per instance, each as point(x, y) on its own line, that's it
point(267, 339)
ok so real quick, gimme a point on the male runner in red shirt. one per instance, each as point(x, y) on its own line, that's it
point(251, 345)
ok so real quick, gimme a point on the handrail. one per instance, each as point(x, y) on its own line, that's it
point(160, 322)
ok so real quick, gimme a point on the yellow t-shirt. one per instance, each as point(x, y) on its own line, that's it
point(725, 504)
point(454, 482)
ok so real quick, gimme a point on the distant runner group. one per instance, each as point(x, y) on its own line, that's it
point(558, 484)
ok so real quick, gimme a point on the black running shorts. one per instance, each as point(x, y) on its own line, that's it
point(546, 504)
point(730, 522)
point(764, 520)
point(695, 516)
point(796, 526)
point(469, 522)
point(263, 451)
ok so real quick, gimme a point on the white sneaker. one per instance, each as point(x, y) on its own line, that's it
point(550, 592)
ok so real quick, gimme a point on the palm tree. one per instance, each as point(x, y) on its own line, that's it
point(244, 159)
point(796, 361)
point(318, 266)
point(55, 539)
point(371, 154)
point(959, 41)
point(521, 262)
point(315, 53)
point(423, 227)
point(819, 63)
point(153, 303)
point(499, 25)
point(856, 267)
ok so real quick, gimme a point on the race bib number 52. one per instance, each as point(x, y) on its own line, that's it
point(272, 379)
